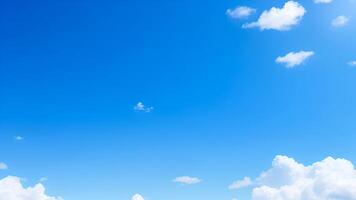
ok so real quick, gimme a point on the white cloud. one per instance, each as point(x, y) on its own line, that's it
point(281, 19)
point(240, 12)
point(329, 179)
point(293, 59)
point(12, 189)
point(137, 197)
point(141, 107)
point(187, 180)
point(323, 1)
point(19, 138)
point(340, 21)
point(43, 179)
point(352, 63)
point(3, 166)
point(241, 183)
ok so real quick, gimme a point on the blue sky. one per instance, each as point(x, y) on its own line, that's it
point(71, 73)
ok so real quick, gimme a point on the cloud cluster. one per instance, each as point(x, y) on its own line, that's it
point(294, 59)
point(329, 179)
point(240, 12)
point(281, 19)
point(12, 189)
point(187, 180)
point(142, 108)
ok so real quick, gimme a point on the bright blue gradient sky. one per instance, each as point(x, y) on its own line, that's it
point(71, 72)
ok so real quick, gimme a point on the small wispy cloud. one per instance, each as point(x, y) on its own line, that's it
point(241, 183)
point(280, 19)
point(322, 1)
point(187, 180)
point(3, 166)
point(19, 138)
point(43, 179)
point(294, 59)
point(340, 21)
point(240, 12)
point(140, 107)
point(352, 63)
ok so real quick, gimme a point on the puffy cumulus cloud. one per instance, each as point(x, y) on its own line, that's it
point(293, 59)
point(137, 197)
point(281, 19)
point(187, 180)
point(12, 189)
point(340, 21)
point(329, 179)
point(241, 183)
point(323, 1)
point(140, 107)
point(3, 166)
point(240, 12)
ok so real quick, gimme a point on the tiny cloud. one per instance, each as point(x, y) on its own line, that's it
point(329, 179)
point(240, 12)
point(241, 183)
point(3, 166)
point(11, 189)
point(137, 197)
point(293, 59)
point(352, 63)
point(323, 1)
point(340, 21)
point(140, 107)
point(280, 19)
point(18, 138)
point(187, 180)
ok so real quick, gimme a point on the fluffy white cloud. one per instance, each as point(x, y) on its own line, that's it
point(142, 108)
point(323, 1)
point(329, 179)
point(187, 180)
point(12, 189)
point(340, 21)
point(293, 59)
point(3, 166)
point(241, 183)
point(137, 197)
point(281, 19)
point(352, 63)
point(240, 12)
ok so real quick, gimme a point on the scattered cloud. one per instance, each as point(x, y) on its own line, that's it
point(240, 12)
point(43, 179)
point(293, 59)
point(137, 197)
point(187, 180)
point(142, 108)
point(322, 1)
point(340, 21)
point(289, 180)
point(352, 63)
point(19, 138)
point(11, 189)
point(241, 183)
point(3, 166)
point(280, 19)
